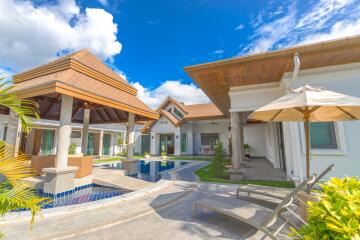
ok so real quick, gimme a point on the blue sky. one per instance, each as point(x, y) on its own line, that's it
point(150, 42)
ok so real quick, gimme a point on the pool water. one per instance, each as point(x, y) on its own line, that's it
point(146, 170)
point(83, 194)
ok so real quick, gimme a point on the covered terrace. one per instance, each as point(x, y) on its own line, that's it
point(77, 88)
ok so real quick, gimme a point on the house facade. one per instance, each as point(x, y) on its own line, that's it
point(103, 140)
point(185, 129)
point(241, 85)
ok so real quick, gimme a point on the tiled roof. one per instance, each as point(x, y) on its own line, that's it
point(85, 76)
point(169, 116)
point(205, 111)
point(202, 111)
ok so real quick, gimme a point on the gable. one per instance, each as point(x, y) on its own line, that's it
point(163, 125)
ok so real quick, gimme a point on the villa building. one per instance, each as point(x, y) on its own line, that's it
point(193, 130)
point(186, 129)
point(241, 85)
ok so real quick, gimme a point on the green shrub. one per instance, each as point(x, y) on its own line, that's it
point(217, 163)
point(72, 149)
point(337, 214)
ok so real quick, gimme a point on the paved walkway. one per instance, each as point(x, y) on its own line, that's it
point(188, 173)
point(261, 169)
point(161, 215)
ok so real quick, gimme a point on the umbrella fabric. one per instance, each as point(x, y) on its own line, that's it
point(324, 106)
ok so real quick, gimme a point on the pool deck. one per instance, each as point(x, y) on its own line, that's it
point(117, 178)
point(162, 211)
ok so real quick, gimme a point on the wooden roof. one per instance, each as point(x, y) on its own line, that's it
point(87, 79)
point(216, 78)
point(205, 111)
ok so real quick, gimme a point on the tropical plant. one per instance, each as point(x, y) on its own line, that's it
point(14, 193)
point(72, 148)
point(163, 154)
point(25, 109)
point(218, 161)
point(248, 148)
point(337, 214)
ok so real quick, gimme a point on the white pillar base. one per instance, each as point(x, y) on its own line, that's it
point(58, 180)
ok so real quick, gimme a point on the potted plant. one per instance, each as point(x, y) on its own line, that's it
point(72, 149)
point(146, 155)
point(163, 155)
point(247, 148)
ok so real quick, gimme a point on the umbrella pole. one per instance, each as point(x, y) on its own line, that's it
point(307, 141)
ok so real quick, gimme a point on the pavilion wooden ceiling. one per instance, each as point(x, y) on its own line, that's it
point(216, 78)
point(50, 107)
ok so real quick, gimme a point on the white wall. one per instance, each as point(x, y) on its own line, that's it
point(255, 135)
point(343, 79)
point(215, 126)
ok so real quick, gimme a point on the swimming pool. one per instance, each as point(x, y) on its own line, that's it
point(82, 194)
point(151, 171)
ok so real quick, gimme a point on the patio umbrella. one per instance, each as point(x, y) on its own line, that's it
point(310, 104)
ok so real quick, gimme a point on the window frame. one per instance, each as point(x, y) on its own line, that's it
point(334, 142)
point(202, 140)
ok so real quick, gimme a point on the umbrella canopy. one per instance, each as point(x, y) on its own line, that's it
point(310, 104)
point(322, 106)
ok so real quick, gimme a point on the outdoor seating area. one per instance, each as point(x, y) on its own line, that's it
point(83, 163)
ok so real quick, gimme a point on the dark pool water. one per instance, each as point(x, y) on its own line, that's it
point(146, 170)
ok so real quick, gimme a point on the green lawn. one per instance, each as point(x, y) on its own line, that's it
point(105, 160)
point(206, 174)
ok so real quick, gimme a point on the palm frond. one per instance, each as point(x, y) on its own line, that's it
point(27, 110)
point(14, 168)
point(20, 196)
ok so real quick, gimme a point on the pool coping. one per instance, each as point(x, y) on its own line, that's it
point(64, 210)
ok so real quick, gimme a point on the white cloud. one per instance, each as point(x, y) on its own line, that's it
point(123, 75)
point(325, 20)
point(31, 35)
point(103, 2)
point(186, 93)
point(240, 27)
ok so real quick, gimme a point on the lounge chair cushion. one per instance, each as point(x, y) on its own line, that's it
point(276, 193)
point(250, 213)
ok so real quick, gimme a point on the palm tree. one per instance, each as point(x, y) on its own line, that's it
point(16, 194)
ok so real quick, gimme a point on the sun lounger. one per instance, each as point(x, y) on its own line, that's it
point(253, 214)
point(278, 193)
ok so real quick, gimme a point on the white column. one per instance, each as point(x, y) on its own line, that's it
point(101, 142)
point(131, 135)
point(177, 143)
point(64, 132)
point(85, 131)
point(242, 122)
point(14, 131)
point(153, 143)
point(235, 140)
point(190, 139)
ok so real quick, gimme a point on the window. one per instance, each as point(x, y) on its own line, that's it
point(75, 134)
point(47, 142)
point(5, 132)
point(209, 138)
point(322, 135)
point(178, 113)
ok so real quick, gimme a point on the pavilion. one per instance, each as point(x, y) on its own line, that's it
point(77, 88)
